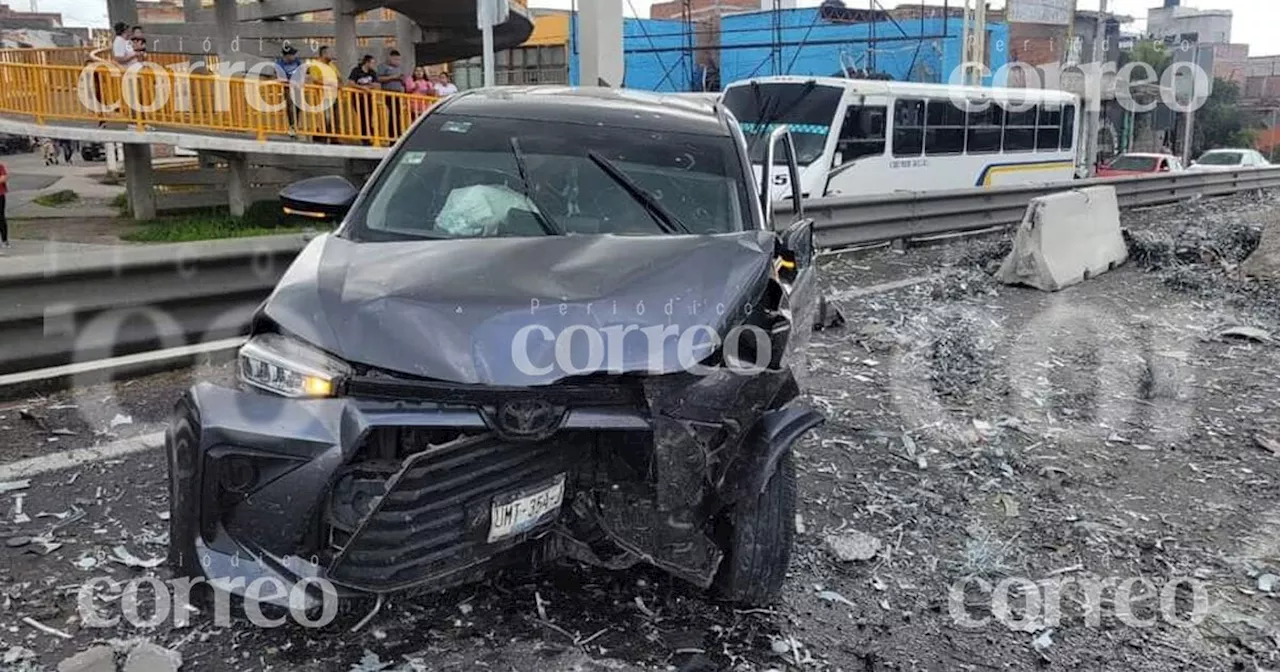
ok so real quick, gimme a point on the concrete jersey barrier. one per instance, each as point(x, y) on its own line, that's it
point(1065, 239)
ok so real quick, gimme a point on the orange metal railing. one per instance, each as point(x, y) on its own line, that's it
point(61, 56)
point(159, 97)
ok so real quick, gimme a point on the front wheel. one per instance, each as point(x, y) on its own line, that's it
point(760, 534)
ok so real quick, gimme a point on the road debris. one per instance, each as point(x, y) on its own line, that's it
point(14, 486)
point(853, 546)
point(1247, 333)
point(149, 657)
point(122, 555)
point(44, 628)
point(99, 658)
point(832, 596)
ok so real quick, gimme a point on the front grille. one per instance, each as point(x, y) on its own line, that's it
point(433, 523)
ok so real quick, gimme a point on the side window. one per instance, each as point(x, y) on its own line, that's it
point(1068, 127)
point(862, 133)
point(1049, 128)
point(945, 133)
point(1019, 127)
point(985, 127)
point(908, 128)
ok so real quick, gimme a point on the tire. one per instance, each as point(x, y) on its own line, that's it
point(180, 441)
point(759, 539)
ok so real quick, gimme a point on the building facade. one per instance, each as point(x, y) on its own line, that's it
point(1209, 26)
point(13, 19)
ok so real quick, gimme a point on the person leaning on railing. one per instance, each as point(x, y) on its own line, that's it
point(121, 49)
point(364, 78)
point(420, 86)
point(391, 78)
point(287, 66)
point(323, 72)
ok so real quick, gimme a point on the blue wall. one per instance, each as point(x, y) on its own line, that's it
point(667, 70)
point(930, 60)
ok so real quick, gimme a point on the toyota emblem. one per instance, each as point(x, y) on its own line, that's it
point(527, 418)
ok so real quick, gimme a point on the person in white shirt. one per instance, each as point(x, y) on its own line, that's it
point(121, 49)
point(444, 87)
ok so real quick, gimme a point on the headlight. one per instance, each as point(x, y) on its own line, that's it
point(289, 367)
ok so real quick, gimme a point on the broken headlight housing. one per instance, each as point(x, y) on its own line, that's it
point(289, 367)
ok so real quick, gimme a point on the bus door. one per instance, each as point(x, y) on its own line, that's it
point(860, 138)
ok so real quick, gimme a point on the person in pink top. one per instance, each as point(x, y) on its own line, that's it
point(422, 89)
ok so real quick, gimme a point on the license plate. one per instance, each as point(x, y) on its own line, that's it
point(519, 512)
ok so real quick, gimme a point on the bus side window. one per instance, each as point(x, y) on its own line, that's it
point(1019, 127)
point(1049, 131)
point(1068, 127)
point(908, 128)
point(985, 127)
point(946, 128)
point(862, 133)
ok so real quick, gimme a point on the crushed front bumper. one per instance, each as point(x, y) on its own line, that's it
point(387, 491)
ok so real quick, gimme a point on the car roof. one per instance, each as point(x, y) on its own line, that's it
point(1228, 151)
point(618, 108)
point(1147, 155)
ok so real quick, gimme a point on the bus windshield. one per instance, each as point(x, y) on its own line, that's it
point(808, 109)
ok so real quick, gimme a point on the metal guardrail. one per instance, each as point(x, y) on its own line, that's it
point(74, 307)
point(862, 220)
point(69, 307)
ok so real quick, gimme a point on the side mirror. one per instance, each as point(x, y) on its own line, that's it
point(780, 136)
point(797, 242)
point(321, 198)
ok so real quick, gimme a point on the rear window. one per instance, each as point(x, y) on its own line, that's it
point(1136, 163)
point(1222, 159)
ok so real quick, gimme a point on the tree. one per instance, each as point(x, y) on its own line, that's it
point(1151, 52)
point(1220, 122)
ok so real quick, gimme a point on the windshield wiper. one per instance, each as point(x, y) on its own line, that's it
point(668, 222)
point(775, 113)
point(544, 220)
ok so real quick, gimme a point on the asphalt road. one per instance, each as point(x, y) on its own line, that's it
point(975, 432)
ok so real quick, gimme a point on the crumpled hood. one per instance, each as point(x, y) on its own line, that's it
point(455, 310)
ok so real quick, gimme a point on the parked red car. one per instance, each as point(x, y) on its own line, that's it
point(1129, 165)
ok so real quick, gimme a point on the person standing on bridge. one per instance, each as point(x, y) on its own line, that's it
point(121, 48)
point(4, 189)
point(288, 66)
point(323, 72)
point(391, 77)
point(364, 77)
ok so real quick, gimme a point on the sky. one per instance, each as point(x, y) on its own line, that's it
point(1255, 20)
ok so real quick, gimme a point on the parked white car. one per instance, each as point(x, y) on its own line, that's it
point(1218, 160)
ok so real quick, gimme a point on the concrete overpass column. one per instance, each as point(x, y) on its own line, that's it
point(600, 36)
point(406, 38)
point(137, 158)
point(138, 182)
point(344, 35)
point(226, 17)
point(238, 191)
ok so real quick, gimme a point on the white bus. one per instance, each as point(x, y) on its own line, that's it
point(861, 137)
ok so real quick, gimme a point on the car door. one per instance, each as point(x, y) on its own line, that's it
point(796, 268)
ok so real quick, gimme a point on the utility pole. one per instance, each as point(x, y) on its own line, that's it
point(964, 43)
point(490, 13)
point(1094, 124)
point(980, 39)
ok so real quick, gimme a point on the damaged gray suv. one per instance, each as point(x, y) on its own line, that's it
point(555, 324)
